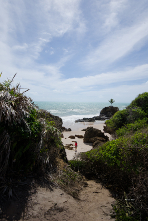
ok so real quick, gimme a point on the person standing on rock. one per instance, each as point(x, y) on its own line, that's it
point(76, 146)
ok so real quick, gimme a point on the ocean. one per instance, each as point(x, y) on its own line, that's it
point(70, 111)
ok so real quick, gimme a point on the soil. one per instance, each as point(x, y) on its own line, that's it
point(94, 204)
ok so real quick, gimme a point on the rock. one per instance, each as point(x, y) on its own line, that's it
point(101, 117)
point(66, 129)
point(62, 136)
point(100, 139)
point(106, 113)
point(89, 119)
point(71, 137)
point(97, 141)
point(85, 120)
point(109, 111)
point(106, 129)
point(93, 133)
point(79, 136)
point(84, 129)
point(69, 146)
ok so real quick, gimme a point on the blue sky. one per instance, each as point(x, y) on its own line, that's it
point(76, 50)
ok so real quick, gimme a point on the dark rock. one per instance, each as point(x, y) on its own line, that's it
point(79, 136)
point(71, 137)
point(106, 129)
point(92, 133)
point(66, 129)
point(109, 111)
point(106, 113)
point(98, 142)
point(101, 117)
point(84, 129)
point(63, 154)
point(69, 146)
point(89, 119)
point(79, 120)
point(62, 136)
point(85, 120)
point(100, 139)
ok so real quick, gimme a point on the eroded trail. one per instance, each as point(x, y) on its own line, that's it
point(94, 205)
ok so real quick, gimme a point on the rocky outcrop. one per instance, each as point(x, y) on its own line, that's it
point(71, 137)
point(69, 146)
point(92, 134)
point(79, 136)
point(66, 129)
point(106, 113)
point(109, 111)
point(85, 120)
point(98, 141)
point(108, 130)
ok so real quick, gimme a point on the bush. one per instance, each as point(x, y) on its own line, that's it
point(123, 117)
point(122, 165)
point(118, 120)
point(141, 101)
point(27, 143)
point(132, 128)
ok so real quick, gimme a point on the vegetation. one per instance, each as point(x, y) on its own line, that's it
point(111, 101)
point(30, 143)
point(69, 180)
point(122, 164)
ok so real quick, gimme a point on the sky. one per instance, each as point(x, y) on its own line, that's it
point(75, 50)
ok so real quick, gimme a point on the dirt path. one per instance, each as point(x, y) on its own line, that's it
point(94, 204)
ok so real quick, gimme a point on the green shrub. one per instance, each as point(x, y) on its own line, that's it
point(123, 117)
point(27, 141)
point(133, 127)
point(141, 101)
point(118, 120)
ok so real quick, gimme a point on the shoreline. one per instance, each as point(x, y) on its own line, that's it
point(82, 147)
point(81, 125)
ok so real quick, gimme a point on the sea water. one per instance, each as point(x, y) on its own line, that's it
point(70, 111)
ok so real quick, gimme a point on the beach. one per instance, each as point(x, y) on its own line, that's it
point(77, 130)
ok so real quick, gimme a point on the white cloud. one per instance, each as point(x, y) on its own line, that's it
point(112, 18)
point(74, 85)
point(38, 24)
point(23, 47)
point(117, 45)
point(30, 29)
point(122, 93)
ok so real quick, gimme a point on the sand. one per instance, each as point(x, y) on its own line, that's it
point(94, 204)
point(82, 147)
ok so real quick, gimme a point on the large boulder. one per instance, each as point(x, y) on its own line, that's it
point(98, 141)
point(79, 136)
point(71, 137)
point(92, 133)
point(109, 111)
